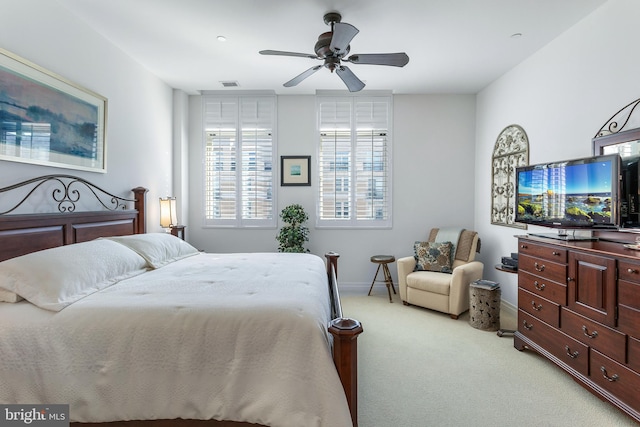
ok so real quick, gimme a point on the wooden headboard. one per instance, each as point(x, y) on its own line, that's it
point(22, 233)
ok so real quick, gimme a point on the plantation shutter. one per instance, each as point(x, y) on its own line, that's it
point(257, 119)
point(372, 161)
point(354, 162)
point(220, 117)
point(239, 156)
point(335, 160)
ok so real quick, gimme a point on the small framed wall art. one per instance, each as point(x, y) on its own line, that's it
point(295, 170)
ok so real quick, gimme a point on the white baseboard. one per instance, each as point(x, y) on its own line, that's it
point(360, 288)
point(354, 288)
point(509, 308)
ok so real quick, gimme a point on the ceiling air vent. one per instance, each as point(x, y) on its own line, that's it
point(230, 84)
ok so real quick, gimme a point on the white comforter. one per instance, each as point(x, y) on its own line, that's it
point(237, 336)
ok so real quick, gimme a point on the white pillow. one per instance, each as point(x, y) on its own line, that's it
point(54, 278)
point(6, 296)
point(157, 248)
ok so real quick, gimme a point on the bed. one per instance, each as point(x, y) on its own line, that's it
point(142, 329)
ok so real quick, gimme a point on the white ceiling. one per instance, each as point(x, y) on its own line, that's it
point(454, 46)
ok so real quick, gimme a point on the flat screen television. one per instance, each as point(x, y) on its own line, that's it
point(572, 194)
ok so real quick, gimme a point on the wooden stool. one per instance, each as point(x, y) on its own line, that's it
point(382, 261)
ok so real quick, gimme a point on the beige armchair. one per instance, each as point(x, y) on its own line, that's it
point(445, 292)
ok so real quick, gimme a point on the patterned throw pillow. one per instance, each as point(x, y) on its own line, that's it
point(433, 256)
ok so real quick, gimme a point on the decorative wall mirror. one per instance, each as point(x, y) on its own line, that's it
point(626, 143)
point(510, 151)
point(621, 135)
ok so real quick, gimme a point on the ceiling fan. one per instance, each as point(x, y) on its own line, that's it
point(333, 47)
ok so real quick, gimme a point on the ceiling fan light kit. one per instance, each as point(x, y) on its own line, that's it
point(332, 47)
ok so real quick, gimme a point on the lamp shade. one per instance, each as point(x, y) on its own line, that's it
point(168, 212)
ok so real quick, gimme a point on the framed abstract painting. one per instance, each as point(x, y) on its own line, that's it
point(48, 120)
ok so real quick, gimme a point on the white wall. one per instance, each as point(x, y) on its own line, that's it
point(442, 143)
point(139, 123)
point(433, 160)
point(561, 96)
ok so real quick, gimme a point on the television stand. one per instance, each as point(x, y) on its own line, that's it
point(585, 235)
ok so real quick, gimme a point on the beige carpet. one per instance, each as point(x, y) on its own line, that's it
point(421, 368)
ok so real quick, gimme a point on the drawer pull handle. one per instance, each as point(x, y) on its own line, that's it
point(632, 271)
point(555, 253)
point(523, 246)
point(538, 267)
point(571, 355)
point(527, 326)
point(587, 334)
point(536, 307)
point(539, 286)
point(612, 378)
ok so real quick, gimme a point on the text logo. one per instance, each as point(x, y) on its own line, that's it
point(34, 415)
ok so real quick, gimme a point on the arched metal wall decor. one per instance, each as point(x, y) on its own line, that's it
point(510, 151)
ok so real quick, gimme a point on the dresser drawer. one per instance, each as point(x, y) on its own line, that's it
point(545, 288)
point(543, 268)
point(629, 307)
point(537, 250)
point(634, 354)
point(539, 307)
point(615, 378)
point(629, 320)
point(607, 340)
point(570, 351)
point(629, 271)
point(629, 293)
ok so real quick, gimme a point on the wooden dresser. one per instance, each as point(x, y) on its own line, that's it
point(579, 306)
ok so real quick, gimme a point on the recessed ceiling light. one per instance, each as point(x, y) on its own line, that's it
point(221, 38)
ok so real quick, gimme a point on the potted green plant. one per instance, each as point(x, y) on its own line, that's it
point(293, 235)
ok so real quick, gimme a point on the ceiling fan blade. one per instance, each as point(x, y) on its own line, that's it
point(343, 33)
point(294, 81)
point(354, 84)
point(282, 53)
point(394, 59)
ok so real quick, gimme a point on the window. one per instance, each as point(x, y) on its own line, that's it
point(354, 162)
point(238, 161)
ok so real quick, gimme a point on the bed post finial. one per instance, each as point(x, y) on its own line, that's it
point(332, 261)
point(140, 205)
